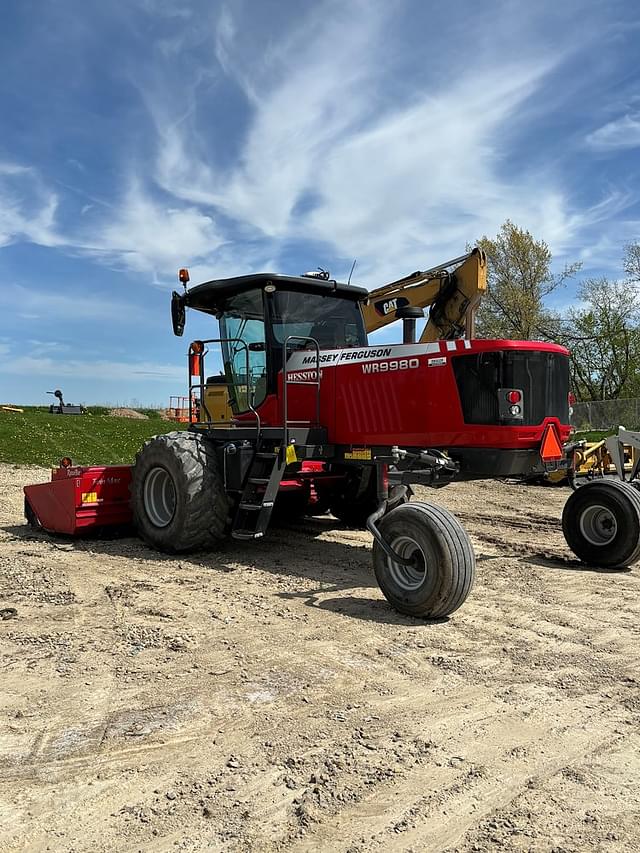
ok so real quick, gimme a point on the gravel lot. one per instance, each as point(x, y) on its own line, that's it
point(265, 697)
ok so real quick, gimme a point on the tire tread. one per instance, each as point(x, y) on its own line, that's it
point(577, 497)
point(455, 541)
point(205, 501)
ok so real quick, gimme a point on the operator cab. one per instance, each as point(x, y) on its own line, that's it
point(259, 313)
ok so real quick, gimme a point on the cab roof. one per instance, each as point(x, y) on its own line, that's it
point(211, 295)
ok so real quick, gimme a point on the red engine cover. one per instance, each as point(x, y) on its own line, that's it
point(400, 394)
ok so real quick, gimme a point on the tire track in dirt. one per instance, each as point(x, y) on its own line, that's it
point(450, 802)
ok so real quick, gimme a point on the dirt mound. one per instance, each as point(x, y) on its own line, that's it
point(128, 413)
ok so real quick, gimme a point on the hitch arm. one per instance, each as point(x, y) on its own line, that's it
point(372, 522)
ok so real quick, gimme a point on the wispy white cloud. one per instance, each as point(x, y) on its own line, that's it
point(138, 232)
point(35, 303)
point(46, 367)
point(299, 111)
point(146, 235)
point(327, 159)
point(623, 132)
point(27, 207)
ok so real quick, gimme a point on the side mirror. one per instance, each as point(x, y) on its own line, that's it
point(178, 314)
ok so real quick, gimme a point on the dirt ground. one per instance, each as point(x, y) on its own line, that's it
point(266, 697)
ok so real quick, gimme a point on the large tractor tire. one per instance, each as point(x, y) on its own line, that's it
point(177, 494)
point(444, 566)
point(601, 523)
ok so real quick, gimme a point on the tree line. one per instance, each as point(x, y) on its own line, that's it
point(600, 326)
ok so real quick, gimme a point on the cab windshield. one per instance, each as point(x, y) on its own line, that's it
point(332, 321)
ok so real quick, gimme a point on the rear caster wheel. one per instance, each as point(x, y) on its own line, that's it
point(443, 569)
point(601, 523)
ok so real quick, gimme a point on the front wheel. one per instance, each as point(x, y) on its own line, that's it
point(443, 569)
point(601, 523)
point(177, 494)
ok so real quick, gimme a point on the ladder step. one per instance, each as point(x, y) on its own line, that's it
point(258, 481)
point(266, 455)
point(255, 506)
point(245, 534)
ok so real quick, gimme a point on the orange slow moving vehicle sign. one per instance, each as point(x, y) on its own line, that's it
point(551, 449)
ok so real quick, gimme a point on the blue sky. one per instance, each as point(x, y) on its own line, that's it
point(232, 137)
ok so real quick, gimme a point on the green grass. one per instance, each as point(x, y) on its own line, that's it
point(38, 438)
point(592, 435)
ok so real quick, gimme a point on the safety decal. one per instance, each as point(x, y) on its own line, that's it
point(436, 362)
point(358, 453)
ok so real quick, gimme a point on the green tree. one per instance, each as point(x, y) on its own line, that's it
point(519, 280)
point(603, 337)
point(631, 261)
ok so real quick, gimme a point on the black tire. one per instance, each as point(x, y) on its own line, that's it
point(447, 561)
point(357, 499)
point(177, 494)
point(601, 523)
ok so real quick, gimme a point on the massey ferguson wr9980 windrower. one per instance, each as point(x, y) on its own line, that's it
point(318, 412)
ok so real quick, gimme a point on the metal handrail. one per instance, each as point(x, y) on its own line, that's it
point(286, 383)
point(202, 384)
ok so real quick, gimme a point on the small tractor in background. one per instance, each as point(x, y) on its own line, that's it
point(316, 412)
point(62, 408)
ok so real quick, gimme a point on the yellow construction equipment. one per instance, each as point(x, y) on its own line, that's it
point(451, 290)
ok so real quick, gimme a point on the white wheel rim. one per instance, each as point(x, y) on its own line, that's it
point(598, 525)
point(412, 577)
point(159, 497)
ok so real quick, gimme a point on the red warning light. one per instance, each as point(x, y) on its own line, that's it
point(514, 396)
point(551, 450)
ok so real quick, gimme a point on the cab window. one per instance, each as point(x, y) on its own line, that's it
point(245, 357)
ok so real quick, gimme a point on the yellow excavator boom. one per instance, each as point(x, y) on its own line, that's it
point(451, 291)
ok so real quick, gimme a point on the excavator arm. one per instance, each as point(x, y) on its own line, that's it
point(451, 291)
